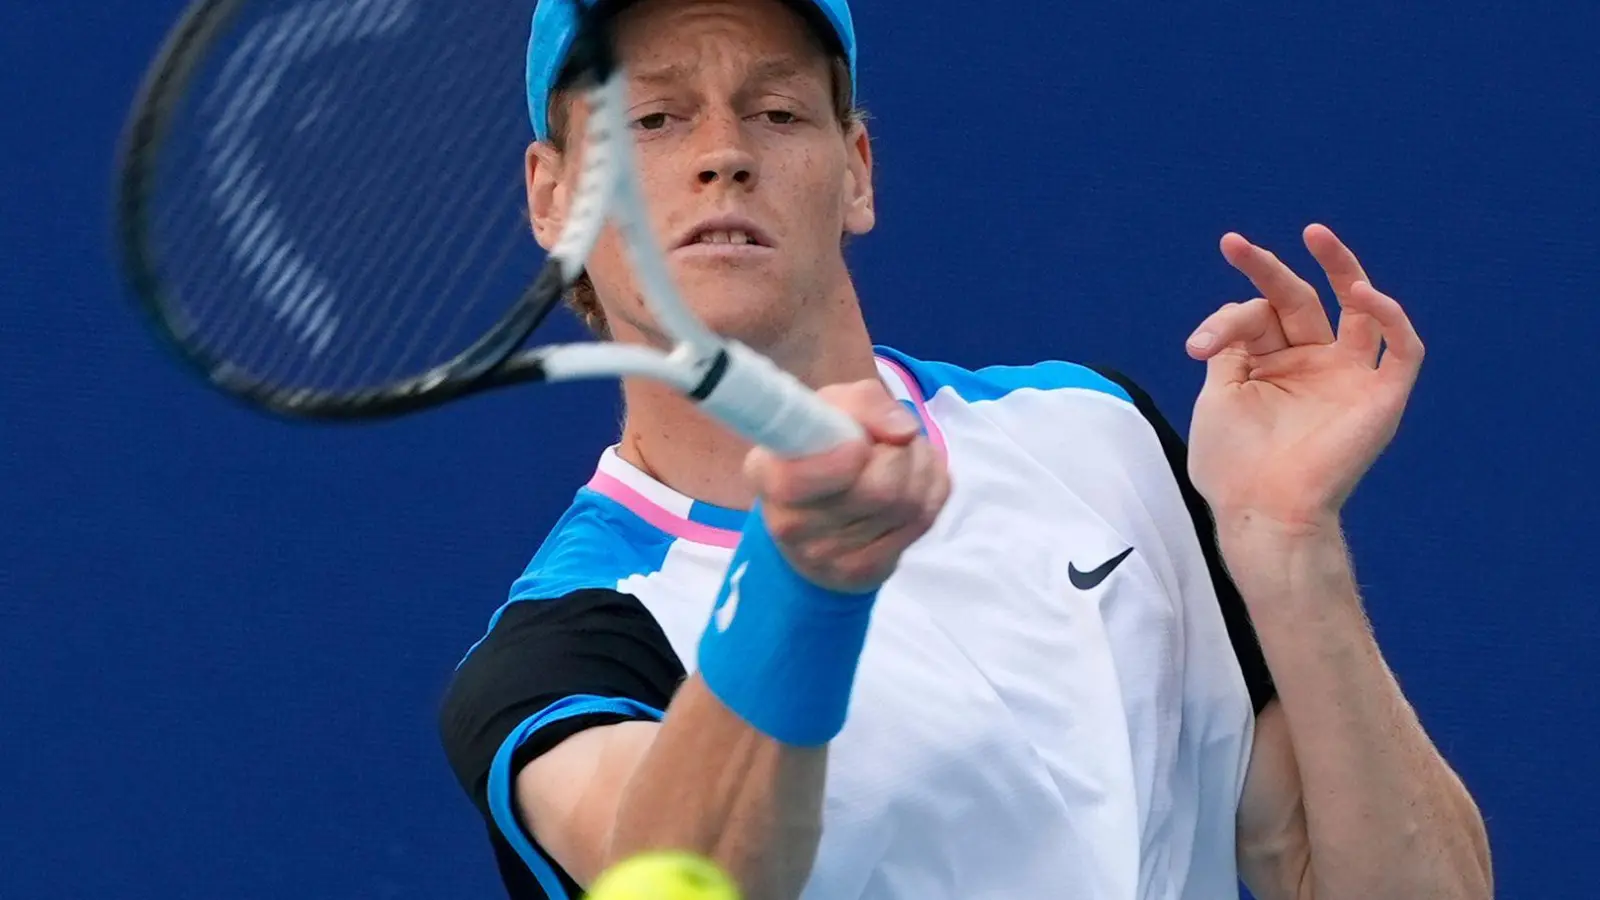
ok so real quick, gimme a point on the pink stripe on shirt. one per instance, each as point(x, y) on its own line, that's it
point(935, 436)
point(660, 517)
point(679, 526)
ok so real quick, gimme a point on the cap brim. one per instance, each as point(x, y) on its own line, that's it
point(815, 14)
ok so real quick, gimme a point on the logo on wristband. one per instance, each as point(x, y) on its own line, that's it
point(730, 605)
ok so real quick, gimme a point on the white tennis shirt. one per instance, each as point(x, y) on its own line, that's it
point(1049, 703)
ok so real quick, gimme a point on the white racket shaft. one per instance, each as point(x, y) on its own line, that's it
point(754, 397)
point(774, 409)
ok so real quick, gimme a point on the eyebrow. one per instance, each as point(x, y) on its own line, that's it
point(661, 74)
point(781, 68)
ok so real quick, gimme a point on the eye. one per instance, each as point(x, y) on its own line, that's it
point(780, 117)
point(651, 122)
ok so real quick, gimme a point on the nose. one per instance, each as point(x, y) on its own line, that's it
point(724, 156)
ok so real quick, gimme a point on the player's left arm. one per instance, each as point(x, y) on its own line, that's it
point(1346, 796)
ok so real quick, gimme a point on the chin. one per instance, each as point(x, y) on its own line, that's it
point(751, 307)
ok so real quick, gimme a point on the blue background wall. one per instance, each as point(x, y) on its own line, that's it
point(222, 637)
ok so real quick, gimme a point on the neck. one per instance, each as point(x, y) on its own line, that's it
point(672, 440)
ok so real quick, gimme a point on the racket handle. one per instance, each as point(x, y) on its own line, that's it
point(774, 409)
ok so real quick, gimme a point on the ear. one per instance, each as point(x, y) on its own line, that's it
point(547, 195)
point(860, 214)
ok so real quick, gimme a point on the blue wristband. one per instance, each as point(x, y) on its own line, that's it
point(780, 651)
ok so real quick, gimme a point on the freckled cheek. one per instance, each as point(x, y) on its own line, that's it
point(813, 198)
point(609, 267)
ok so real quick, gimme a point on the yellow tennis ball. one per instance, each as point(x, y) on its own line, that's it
point(664, 875)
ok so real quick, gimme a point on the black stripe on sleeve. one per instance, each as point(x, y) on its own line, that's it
point(592, 642)
point(598, 642)
point(1241, 633)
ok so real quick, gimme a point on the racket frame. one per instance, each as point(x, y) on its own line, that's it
point(734, 383)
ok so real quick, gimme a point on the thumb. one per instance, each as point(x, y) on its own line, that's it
point(1229, 367)
point(884, 419)
point(890, 422)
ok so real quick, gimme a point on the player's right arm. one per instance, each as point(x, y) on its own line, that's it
point(705, 778)
point(702, 779)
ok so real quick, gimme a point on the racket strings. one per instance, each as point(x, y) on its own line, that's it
point(510, 242)
point(263, 244)
point(341, 205)
point(440, 240)
point(392, 317)
point(253, 75)
point(312, 290)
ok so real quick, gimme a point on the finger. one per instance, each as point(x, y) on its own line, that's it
point(1254, 326)
point(1229, 367)
point(906, 492)
point(883, 417)
point(808, 480)
point(884, 492)
point(930, 485)
point(882, 498)
point(1299, 308)
point(816, 536)
point(868, 555)
point(1403, 350)
point(1285, 363)
point(1358, 332)
point(878, 554)
point(862, 568)
point(820, 477)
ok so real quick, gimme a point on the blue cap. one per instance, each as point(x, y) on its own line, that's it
point(554, 27)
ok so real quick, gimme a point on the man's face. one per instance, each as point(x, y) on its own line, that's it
point(750, 181)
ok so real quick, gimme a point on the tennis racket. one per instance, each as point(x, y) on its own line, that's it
point(320, 209)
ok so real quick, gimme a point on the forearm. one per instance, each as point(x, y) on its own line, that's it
point(1385, 815)
point(714, 785)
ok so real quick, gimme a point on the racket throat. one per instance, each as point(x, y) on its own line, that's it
point(768, 405)
point(713, 377)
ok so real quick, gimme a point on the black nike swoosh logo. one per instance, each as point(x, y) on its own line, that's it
point(1084, 581)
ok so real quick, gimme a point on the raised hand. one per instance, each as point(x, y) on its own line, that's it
point(1295, 411)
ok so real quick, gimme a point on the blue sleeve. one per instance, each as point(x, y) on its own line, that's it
point(994, 382)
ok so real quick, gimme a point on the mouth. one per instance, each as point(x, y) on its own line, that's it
point(725, 235)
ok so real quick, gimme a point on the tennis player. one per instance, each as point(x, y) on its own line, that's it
point(1001, 648)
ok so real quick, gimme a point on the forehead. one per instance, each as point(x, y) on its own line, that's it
point(674, 34)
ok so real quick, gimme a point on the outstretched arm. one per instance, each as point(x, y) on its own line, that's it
point(735, 771)
point(1347, 797)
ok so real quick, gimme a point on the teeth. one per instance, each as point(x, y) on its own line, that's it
point(725, 237)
